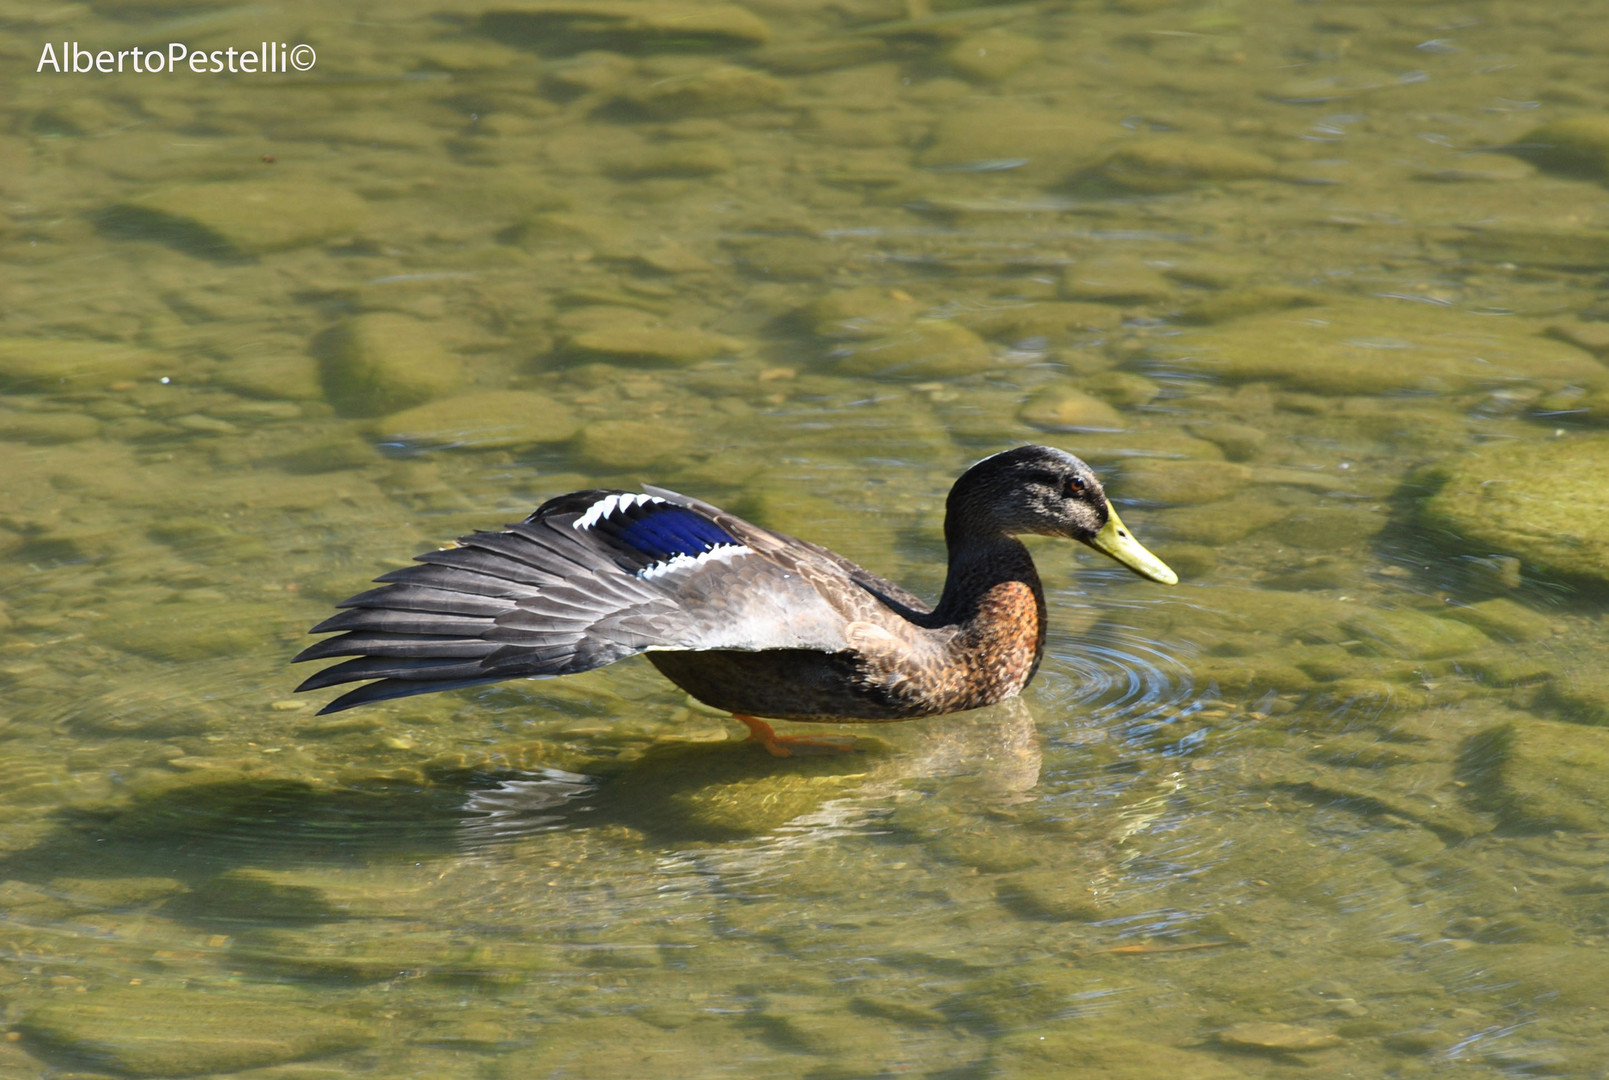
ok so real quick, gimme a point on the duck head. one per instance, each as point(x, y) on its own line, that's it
point(1047, 492)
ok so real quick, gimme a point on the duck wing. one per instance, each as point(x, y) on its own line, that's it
point(590, 578)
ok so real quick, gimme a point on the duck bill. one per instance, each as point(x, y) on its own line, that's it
point(1114, 540)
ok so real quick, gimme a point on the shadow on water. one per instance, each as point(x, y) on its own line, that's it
point(208, 837)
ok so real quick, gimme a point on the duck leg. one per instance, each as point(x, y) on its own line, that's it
point(786, 745)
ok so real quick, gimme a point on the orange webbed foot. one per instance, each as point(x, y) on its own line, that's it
point(789, 745)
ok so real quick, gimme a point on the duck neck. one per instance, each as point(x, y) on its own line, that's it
point(992, 593)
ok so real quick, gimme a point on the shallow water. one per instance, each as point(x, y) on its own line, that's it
point(1315, 287)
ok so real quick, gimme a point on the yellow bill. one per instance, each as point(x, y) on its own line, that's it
point(1116, 541)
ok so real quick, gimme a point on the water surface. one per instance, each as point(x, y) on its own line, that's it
point(1315, 287)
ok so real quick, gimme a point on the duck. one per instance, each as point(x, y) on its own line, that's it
point(747, 620)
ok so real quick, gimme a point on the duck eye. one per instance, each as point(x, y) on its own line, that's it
point(1075, 487)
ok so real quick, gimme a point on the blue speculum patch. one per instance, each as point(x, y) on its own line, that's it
point(667, 531)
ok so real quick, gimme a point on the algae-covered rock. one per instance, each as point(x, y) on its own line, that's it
point(653, 345)
point(1541, 774)
point(1121, 388)
point(1084, 1049)
point(1174, 164)
point(1277, 1038)
point(1329, 528)
point(1042, 142)
point(189, 632)
point(1503, 619)
point(929, 349)
point(861, 312)
point(1116, 280)
point(1527, 975)
point(1061, 408)
point(575, 25)
point(1181, 483)
point(1577, 145)
point(372, 365)
point(46, 428)
point(486, 420)
point(630, 444)
point(160, 1032)
point(1581, 696)
point(48, 364)
point(1252, 300)
point(372, 951)
point(1376, 347)
point(148, 711)
point(992, 54)
point(289, 375)
point(1544, 501)
point(241, 217)
point(1239, 442)
point(1049, 894)
point(714, 91)
point(1414, 635)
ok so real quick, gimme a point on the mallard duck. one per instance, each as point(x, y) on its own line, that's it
point(746, 620)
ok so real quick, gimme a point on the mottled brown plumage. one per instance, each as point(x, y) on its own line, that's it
point(745, 619)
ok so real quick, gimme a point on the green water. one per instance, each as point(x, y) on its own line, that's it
point(1317, 288)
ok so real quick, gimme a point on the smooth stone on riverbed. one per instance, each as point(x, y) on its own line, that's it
point(49, 364)
point(1174, 164)
point(1040, 142)
point(1413, 635)
point(1540, 774)
point(485, 420)
point(993, 54)
point(380, 363)
point(241, 217)
point(1080, 1048)
point(643, 24)
point(1544, 501)
point(1276, 1038)
point(1376, 347)
point(653, 345)
point(159, 1032)
point(929, 349)
point(1061, 408)
point(1180, 483)
point(1577, 145)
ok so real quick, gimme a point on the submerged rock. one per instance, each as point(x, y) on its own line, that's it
point(1414, 635)
point(1173, 164)
point(859, 313)
point(45, 363)
point(1181, 483)
point(712, 92)
point(1377, 347)
point(486, 420)
point(1042, 143)
point(159, 1032)
point(993, 54)
point(240, 217)
point(575, 25)
point(1084, 1049)
point(1543, 500)
point(376, 364)
point(1061, 408)
point(1577, 145)
point(653, 345)
point(929, 349)
point(1266, 1035)
point(1541, 774)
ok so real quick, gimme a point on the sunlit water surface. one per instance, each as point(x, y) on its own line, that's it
point(1302, 280)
